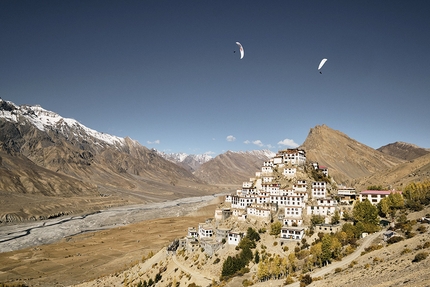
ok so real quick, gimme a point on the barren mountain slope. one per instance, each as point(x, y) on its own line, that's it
point(346, 158)
point(231, 167)
point(403, 150)
point(47, 155)
point(399, 176)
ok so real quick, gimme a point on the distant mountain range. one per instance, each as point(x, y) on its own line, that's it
point(190, 162)
point(51, 165)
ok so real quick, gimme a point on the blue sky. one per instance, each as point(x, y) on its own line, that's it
point(168, 73)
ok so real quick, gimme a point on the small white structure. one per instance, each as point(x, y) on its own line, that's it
point(323, 169)
point(205, 230)
point(223, 213)
point(324, 210)
point(234, 238)
point(291, 232)
point(290, 172)
point(300, 186)
point(258, 211)
point(319, 189)
point(192, 232)
point(346, 194)
point(293, 211)
point(266, 170)
point(222, 233)
point(247, 184)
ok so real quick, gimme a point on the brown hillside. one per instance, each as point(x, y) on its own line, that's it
point(231, 167)
point(55, 169)
point(403, 150)
point(399, 176)
point(345, 157)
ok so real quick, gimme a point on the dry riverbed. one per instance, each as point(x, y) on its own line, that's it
point(124, 236)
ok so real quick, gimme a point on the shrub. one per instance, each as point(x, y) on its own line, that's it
point(420, 256)
point(426, 244)
point(337, 270)
point(289, 280)
point(352, 264)
point(422, 229)
point(373, 248)
point(216, 261)
point(394, 239)
point(306, 280)
point(275, 228)
point(406, 250)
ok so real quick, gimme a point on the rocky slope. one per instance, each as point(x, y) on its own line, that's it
point(232, 167)
point(397, 177)
point(403, 150)
point(43, 154)
point(346, 158)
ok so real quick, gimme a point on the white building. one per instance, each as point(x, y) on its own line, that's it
point(287, 200)
point(325, 210)
point(257, 211)
point(242, 201)
point(375, 196)
point(301, 186)
point(293, 216)
point(247, 184)
point(290, 172)
point(234, 237)
point(346, 194)
point(291, 232)
point(192, 232)
point(293, 156)
point(266, 170)
point(319, 189)
point(205, 230)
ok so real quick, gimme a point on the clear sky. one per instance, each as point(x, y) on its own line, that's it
point(168, 73)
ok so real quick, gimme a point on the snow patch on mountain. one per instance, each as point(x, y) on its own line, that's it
point(182, 157)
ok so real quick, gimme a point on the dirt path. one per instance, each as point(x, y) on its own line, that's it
point(202, 280)
point(329, 268)
point(345, 261)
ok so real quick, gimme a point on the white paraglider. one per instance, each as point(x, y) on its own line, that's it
point(242, 52)
point(321, 64)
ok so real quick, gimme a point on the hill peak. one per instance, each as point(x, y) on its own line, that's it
point(346, 158)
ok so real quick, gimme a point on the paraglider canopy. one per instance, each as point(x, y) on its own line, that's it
point(321, 64)
point(242, 52)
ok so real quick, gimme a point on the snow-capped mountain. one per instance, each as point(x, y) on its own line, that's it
point(44, 153)
point(188, 161)
point(49, 121)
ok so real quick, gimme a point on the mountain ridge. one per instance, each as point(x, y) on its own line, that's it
point(403, 150)
point(346, 158)
point(43, 154)
point(89, 163)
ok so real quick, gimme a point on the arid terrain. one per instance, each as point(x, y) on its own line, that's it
point(92, 255)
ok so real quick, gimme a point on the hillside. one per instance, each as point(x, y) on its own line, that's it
point(232, 167)
point(399, 176)
point(346, 158)
point(403, 150)
point(44, 158)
